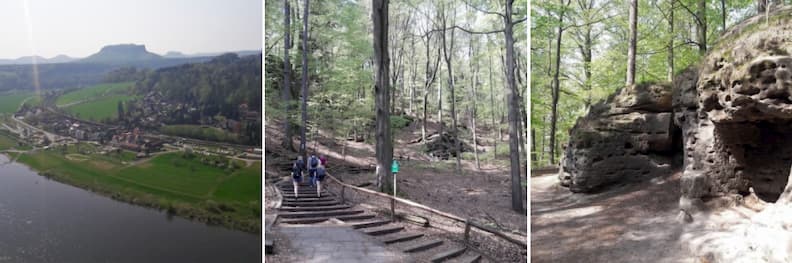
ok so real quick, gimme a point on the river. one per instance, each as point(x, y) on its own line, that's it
point(42, 220)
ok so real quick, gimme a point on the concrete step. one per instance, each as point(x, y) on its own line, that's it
point(401, 238)
point(314, 208)
point(309, 195)
point(310, 204)
point(383, 230)
point(423, 245)
point(319, 214)
point(443, 256)
point(370, 224)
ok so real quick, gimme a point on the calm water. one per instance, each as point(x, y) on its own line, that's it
point(46, 221)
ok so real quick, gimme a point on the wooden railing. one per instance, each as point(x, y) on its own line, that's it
point(393, 200)
point(544, 170)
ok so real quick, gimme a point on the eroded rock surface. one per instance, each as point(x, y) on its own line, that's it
point(626, 138)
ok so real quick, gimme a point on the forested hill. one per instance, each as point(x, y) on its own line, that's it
point(218, 86)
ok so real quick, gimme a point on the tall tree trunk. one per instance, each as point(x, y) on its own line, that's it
point(473, 98)
point(633, 42)
point(514, 151)
point(413, 73)
point(701, 29)
point(440, 107)
point(384, 146)
point(671, 42)
point(723, 13)
point(431, 73)
point(556, 85)
point(492, 112)
point(448, 56)
point(761, 6)
point(533, 146)
point(303, 143)
point(286, 87)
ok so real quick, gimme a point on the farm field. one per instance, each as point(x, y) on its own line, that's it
point(9, 103)
point(99, 109)
point(92, 93)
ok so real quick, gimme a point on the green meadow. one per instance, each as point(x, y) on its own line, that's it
point(179, 183)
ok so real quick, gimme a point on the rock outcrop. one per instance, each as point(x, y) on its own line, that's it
point(626, 138)
point(729, 118)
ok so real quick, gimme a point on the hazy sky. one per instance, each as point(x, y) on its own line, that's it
point(79, 28)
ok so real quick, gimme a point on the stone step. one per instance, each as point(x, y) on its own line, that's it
point(473, 258)
point(355, 217)
point(313, 208)
point(310, 204)
point(370, 224)
point(402, 238)
point(448, 254)
point(314, 220)
point(319, 213)
point(383, 230)
point(309, 195)
point(423, 245)
point(308, 199)
point(291, 192)
point(301, 221)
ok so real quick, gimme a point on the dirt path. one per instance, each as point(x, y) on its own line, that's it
point(635, 223)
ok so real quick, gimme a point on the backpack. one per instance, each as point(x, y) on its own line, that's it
point(300, 165)
point(314, 162)
point(296, 170)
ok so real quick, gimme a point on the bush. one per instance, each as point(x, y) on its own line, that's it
point(398, 122)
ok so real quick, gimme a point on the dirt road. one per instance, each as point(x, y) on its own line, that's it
point(635, 223)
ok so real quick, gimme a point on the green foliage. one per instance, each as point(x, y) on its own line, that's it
point(398, 121)
point(200, 132)
point(607, 21)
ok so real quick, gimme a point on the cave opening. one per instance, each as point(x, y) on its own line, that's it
point(766, 156)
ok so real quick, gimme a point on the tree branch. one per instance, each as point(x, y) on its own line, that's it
point(484, 11)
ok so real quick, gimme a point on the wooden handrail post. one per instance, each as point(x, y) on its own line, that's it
point(343, 199)
point(393, 208)
point(467, 231)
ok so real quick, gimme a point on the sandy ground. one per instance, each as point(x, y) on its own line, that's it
point(634, 223)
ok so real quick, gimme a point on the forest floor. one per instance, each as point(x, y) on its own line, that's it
point(482, 194)
point(630, 223)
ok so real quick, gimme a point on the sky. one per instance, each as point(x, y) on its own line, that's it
point(79, 28)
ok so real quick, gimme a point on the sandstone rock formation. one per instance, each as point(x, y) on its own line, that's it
point(625, 138)
point(729, 118)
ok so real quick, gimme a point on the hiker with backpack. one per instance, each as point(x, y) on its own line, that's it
point(297, 171)
point(320, 175)
point(313, 163)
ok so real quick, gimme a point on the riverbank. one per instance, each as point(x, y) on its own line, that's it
point(209, 189)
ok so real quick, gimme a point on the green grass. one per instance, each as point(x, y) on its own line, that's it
point(9, 103)
point(101, 109)
point(243, 186)
point(6, 142)
point(93, 92)
point(171, 181)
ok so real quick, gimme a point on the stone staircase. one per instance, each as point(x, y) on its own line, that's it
point(307, 208)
